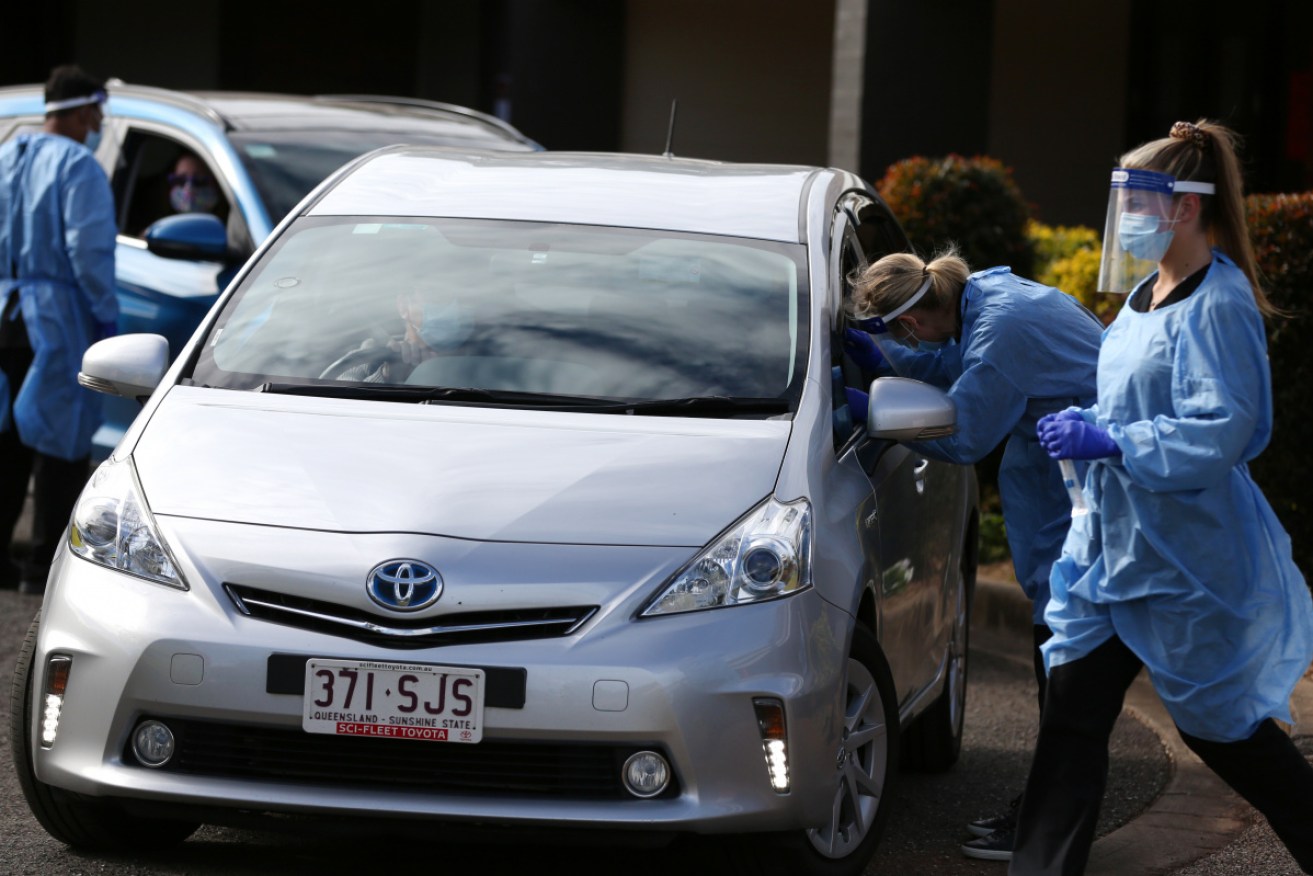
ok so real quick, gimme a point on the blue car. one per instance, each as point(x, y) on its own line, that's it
point(260, 154)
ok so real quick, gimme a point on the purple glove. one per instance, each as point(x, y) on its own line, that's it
point(861, 348)
point(1068, 414)
point(1068, 438)
point(858, 402)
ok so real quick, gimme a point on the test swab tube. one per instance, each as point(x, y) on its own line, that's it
point(1068, 469)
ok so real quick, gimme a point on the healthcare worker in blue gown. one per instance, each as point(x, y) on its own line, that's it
point(56, 297)
point(1181, 565)
point(1008, 351)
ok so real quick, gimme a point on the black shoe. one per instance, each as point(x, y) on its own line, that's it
point(995, 847)
point(1006, 821)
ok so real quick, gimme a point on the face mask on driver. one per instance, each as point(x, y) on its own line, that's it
point(444, 326)
point(190, 198)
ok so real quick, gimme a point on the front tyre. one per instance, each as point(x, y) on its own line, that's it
point(81, 822)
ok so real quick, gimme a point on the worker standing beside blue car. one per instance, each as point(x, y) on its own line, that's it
point(1008, 351)
point(57, 297)
point(1180, 566)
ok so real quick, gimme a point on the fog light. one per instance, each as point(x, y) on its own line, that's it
point(153, 743)
point(774, 741)
point(57, 670)
point(646, 774)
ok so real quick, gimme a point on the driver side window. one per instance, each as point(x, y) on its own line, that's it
point(158, 177)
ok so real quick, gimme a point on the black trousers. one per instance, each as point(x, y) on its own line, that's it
point(1042, 635)
point(56, 485)
point(1060, 807)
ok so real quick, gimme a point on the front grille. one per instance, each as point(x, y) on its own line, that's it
point(407, 632)
point(214, 749)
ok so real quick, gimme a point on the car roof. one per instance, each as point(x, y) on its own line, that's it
point(764, 201)
point(268, 112)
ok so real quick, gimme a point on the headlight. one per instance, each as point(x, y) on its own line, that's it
point(112, 526)
point(765, 555)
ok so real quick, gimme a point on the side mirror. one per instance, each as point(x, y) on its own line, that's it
point(901, 409)
point(128, 365)
point(198, 237)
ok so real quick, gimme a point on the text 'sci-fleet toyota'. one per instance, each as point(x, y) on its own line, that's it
point(517, 489)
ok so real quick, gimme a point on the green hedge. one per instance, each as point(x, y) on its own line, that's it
point(1067, 258)
point(1281, 227)
point(971, 202)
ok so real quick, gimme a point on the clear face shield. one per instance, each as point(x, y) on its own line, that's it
point(878, 326)
point(1142, 215)
point(99, 99)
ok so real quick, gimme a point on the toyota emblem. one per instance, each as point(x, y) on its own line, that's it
point(404, 585)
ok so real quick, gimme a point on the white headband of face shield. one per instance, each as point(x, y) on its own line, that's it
point(1186, 187)
point(908, 304)
point(54, 106)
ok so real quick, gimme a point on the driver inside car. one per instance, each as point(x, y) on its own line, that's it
point(434, 321)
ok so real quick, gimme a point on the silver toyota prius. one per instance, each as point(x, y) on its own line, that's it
point(514, 489)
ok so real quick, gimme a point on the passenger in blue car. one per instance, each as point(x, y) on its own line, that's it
point(56, 298)
point(192, 189)
point(1008, 351)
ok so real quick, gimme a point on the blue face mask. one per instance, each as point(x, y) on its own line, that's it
point(193, 199)
point(92, 141)
point(1139, 235)
point(444, 326)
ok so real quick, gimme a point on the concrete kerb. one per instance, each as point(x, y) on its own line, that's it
point(1195, 815)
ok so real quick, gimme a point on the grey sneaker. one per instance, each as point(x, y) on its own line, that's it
point(995, 847)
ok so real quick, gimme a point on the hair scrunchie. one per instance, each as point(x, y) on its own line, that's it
point(1191, 132)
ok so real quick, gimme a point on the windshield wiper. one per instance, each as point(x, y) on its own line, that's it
point(692, 406)
point(368, 391)
point(436, 394)
point(698, 406)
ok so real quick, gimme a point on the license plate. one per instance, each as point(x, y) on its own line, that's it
point(393, 700)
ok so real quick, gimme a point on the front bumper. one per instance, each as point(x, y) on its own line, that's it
point(682, 685)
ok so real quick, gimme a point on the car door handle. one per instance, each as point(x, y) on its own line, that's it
point(919, 473)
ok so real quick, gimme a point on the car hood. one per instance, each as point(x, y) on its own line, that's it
point(475, 473)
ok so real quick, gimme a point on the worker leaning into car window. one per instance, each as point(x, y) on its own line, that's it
point(1008, 351)
point(1180, 567)
point(56, 298)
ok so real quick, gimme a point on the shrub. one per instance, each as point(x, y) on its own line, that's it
point(1282, 230)
point(1068, 257)
point(971, 202)
point(993, 539)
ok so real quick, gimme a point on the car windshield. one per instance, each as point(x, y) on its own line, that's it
point(286, 165)
point(518, 313)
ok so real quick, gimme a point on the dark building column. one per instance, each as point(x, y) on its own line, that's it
point(557, 70)
point(927, 80)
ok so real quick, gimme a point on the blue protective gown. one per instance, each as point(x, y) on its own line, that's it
point(1181, 556)
point(57, 254)
point(1025, 350)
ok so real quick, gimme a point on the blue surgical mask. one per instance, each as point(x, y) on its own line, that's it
point(1139, 235)
point(444, 326)
point(93, 140)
